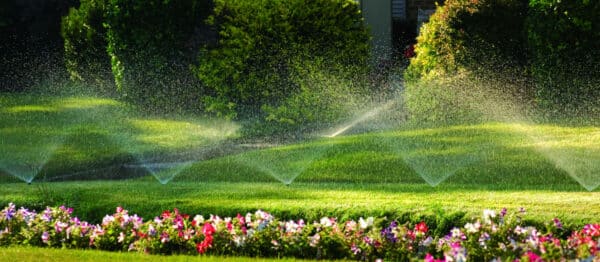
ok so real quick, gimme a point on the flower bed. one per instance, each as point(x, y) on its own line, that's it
point(495, 236)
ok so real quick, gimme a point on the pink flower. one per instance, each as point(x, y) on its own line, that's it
point(45, 237)
point(533, 257)
point(208, 229)
point(164, 237)
point(430, 258)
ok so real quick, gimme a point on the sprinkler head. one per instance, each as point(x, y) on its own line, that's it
point(29, 183)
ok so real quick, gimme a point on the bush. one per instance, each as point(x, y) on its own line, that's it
point(564, 37)
point(469, 52)
point(85, 45)
point(150, 44)
point(484, 36)
point(323, 98)
point(252, 67)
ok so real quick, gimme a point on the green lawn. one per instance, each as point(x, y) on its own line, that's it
point(410, 173)
point(65, 255)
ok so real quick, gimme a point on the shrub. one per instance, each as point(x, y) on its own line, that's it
point(564, 37)
point(477, 35)
point(323, 98)
point(252, 67)
point(85, 45)
point(469, 51)
point(150, 44)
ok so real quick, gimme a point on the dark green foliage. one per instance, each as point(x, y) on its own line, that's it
point(85, 45)
point(547, 49)
point(30, 43)
point(485, 36)
point(150, 44)
point(564, 37)
point(263, 43)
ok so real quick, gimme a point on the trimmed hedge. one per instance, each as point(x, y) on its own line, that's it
point(564, 37)
point(465, 49)
point(545, 51)
point(85, 45)
point(483, 36)
point(261, 43)
point(150, 44)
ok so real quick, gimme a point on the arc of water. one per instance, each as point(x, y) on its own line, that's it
point(582, 163)
point(362, 118)
point(285, 163)
point(163, 172)
point(26, 165)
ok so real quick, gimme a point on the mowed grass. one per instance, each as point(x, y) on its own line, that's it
point(66, 255)
point(68, 136)
point(551, 170)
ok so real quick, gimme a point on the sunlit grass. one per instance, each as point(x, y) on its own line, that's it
point(92, 200)
point(64, 135)
point(66, 255)
point(548, 169)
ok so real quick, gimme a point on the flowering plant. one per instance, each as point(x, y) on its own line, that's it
point(492, 237)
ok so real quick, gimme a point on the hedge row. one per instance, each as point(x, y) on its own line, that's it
point(544, 48)
point(262, 43)
point(244, 55)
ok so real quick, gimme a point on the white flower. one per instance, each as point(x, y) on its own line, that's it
point(199, 219)
point(325, 221)
point(488, 215)
point(314, 240)
point(365, 223)
point(238, 240)
point(456, 232)
point(470, 228)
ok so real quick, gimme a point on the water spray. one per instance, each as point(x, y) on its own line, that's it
point(364, 117)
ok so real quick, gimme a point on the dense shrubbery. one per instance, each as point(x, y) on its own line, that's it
point(85, 45)
point(471, 35)
point(264, 65)
point(564, 37)
point(149, 44)
point(547, 49)
point(262, 44)
point(500, 236)
point(146, 47)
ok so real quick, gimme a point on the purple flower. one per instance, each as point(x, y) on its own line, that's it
point(47, 215)
point(164, 237)
point(557, 223)
point(151, 230)
point(355, 249)
point(503, 212)
point(60, 226)
point(45, 237)
point(67, 210)
point(107, 220)
point(9, 212)
point(388, 232)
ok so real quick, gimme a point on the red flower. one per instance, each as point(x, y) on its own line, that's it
point(409, 51)
point(165, 214)
point(203, 246)
point(421, 227)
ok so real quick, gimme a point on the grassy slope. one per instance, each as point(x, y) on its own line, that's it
point(473, 167)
